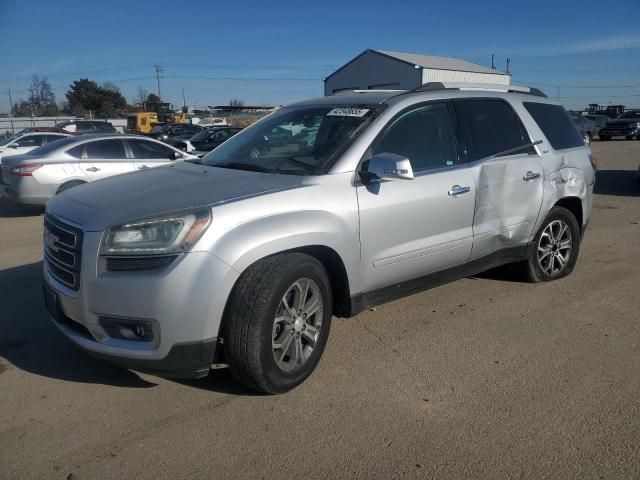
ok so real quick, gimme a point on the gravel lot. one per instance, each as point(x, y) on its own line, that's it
point(483, 378)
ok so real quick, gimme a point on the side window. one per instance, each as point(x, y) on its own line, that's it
point(53, 138)
point(220, 136)
point(556, 125)
point(31, 141)
point(77, 152)
point(178, 130)
point(105, 149)
point(146, 150)
point(424, 136)
point(491, 126)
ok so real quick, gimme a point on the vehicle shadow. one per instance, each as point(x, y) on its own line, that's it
point(620, 183)
point(8, 209)
point(221, 381)
point(505, 273)
point(30, 341)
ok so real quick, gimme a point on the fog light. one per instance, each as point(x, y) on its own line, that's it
point(128, 328)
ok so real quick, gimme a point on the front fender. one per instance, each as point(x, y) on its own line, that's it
point(248, 242)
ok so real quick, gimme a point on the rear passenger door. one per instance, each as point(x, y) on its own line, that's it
point(149, 154)
point(102, 158)
point(509, 188)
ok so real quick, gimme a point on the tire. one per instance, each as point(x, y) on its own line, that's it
point(587, 138)
point(257, 325)
point(547, 262)
point(68, 185)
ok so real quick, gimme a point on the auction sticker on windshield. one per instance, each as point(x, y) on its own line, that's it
point(348, 112)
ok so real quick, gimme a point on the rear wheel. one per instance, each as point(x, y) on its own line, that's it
point(554, 251)
point(277, 322)
point(587, 138)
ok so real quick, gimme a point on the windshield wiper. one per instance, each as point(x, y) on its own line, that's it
point(242, 166)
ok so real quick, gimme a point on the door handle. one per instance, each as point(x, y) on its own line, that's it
point(92, 169)
point(530, 176)
point(142, 167)
point(458, 190)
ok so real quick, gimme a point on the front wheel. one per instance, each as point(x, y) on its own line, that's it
point(277, 322)
point(554, 251)
point(587, 138)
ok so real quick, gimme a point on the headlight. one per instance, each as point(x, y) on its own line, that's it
point(157, 236)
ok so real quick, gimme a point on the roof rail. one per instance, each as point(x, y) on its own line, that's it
point(482, 87)
point(349, 92)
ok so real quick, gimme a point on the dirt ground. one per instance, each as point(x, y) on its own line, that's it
point(486, 377)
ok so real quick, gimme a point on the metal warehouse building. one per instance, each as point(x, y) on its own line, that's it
point(380, 69)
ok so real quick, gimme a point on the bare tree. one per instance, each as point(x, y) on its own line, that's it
point(141, 95)
point(236, 102)
point(41, 100)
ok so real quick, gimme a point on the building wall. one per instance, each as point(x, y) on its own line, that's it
point(432, 75)
point(374, 71)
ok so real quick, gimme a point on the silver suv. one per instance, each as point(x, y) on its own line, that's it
point(323, 208)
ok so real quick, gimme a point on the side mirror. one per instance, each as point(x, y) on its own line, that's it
point(14, 145)
point(389, 166)
point(175, 156)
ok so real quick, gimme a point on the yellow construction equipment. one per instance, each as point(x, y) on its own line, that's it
point(154, 113)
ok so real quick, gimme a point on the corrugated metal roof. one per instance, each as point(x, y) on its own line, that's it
point(440, 63)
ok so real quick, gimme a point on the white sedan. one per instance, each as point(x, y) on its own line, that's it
point(25, 142)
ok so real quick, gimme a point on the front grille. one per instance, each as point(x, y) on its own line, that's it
point(137, 264)
point(62, 251)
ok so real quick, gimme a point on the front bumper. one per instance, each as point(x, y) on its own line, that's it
point(184, 301)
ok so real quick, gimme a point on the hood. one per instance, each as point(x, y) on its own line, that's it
point(162, 190)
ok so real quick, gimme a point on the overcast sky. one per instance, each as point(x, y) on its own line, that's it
point(277, 52)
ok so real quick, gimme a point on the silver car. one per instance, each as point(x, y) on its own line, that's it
point(35, 177)
point(243, 259)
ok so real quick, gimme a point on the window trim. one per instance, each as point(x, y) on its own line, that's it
point(368, 154)
point(464, 133)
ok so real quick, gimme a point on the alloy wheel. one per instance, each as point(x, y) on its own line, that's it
point(297, 324)
point(555, 247)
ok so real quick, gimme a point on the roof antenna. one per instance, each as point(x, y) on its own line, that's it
point(493, 63)
point(508, 63)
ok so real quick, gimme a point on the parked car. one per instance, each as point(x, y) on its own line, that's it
point(37, 176)
point(627, 125)
point(206, 140)
point(244, 258)
point(87, 126)
point(42, 129)
point(585, 126)
point(599, 121)
point(27, 141)
point(171, 133)
point(212, 122)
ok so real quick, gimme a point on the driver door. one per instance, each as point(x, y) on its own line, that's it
point(411, 228)
point(149, 154)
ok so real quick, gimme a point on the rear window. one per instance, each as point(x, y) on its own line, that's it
point(556, 125)
point(491, 127)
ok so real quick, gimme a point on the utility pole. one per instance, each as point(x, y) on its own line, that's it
point(159, 71)
point(493, 63)
point(508, 63)
point(184, 101)
point(10, 102)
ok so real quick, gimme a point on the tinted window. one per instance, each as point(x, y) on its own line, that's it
point(105, 149)
point(31, 141)
point(555, 124)
point(82, 127)
point(103, 127)
point(424, 136)
point(53, 138)
point(143, 149)
point(491, 127)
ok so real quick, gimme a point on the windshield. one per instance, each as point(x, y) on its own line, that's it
point(9, 139)
point(631, 114)
point(295, 141)
point(160, 128)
